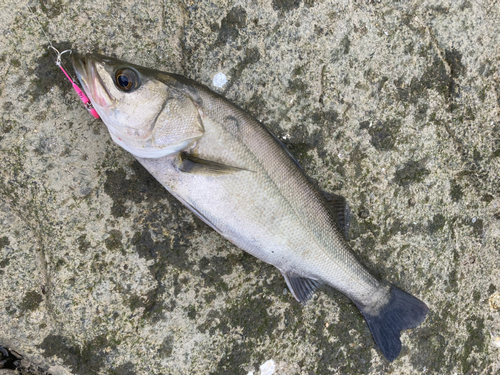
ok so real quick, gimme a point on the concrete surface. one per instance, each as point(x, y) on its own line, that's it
point(395, 106)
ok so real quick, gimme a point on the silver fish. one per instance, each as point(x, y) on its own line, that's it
point(231, 172)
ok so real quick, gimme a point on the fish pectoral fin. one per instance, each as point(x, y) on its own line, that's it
point(341, 212)
point(194, 165)
point(301, 288)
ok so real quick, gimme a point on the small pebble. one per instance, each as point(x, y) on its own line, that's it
point(495, 341)
point(268, 368)
point(219, 80)
point(494, 301)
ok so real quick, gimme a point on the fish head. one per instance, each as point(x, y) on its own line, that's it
point(146, 111)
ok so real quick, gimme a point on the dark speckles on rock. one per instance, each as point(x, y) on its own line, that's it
point(10, 310)
point(235, 20)
point(477, 227)
point(355, 159)
point(251, 316)
point(127, 368)
point(327, 118)
point(55, 345)
point(286, 5)
point(161, 251)
point(4, 241)
point(209, 297)
point(435, 77)
point(456, 191)
point(438, 222)
point(3, 264)
point(476, 296)
point(51, 8)
point(254, 105)
point(346, 44)
point(83, 243)
point(297, 86)
point(15, 63)
point(114, 240)
point(454, 59)
point(6, 126)
point(213, 269)
point(139, 187)
point(252, 55)
point(363, 212)
point(474, 343)
point(383, 133)
point(144, 245)
point(236, 358)
point(45, 145)
point(492, 289)
point(166, 347)
point(191, 312)
point(31, 301)
point(485, 69)
point(430, 352)
point(7, 106)
point(421, 113)
point(83, 360)
point(165, 256)
point(356, 339)
point(116, 187)
point(302, 141)
point(396, 227)
point(411, 172)
point(381, 83)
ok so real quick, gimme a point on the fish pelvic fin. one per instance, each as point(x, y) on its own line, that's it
point(301, 288)
point(194, 165)
point(403, 311)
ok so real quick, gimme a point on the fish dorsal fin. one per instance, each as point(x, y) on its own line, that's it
point(194, 165)
point(341, 212)
point(301, 288)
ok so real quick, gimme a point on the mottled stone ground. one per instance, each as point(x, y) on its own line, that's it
point(394, 106)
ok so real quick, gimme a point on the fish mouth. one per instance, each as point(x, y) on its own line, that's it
point(87, 73)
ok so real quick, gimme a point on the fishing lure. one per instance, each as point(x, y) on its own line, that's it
point(86, 101)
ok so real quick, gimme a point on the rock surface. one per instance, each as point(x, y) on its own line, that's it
point(395, 106)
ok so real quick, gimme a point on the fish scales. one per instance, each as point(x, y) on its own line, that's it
point(290, 184)
point(294, 234)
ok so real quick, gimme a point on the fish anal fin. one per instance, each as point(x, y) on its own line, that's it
point(340, 211)
point(302, 288)
point(194, 165)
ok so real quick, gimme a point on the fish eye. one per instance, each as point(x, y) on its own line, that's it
point(126, 79)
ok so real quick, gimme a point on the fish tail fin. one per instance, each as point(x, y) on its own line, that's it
point(403, 311)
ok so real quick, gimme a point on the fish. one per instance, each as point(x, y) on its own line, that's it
point(238, 178)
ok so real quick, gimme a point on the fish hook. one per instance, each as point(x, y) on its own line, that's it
point(59, 54)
